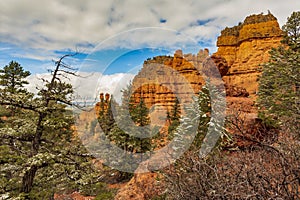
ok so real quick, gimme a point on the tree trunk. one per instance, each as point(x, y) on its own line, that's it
point(27, 181)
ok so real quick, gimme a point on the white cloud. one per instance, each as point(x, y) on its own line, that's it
point(87, 86)
point(35, 55)
point(58, 24)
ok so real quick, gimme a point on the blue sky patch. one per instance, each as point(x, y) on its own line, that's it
point(162, 21)
point(119, 60)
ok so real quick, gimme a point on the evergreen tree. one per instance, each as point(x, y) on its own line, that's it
point(129, 118)
point(105, 117)
point(12, 82)
point(40, 155)
point(204, 102)
point(175, 112)
point(279, 91)
point(201, 122)
point(174, 118)
point(12, 78)
point(140, 116)
point(292, 31)
point(128, 130)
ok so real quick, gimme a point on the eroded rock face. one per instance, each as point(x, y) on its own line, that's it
point(164, 78)
point(221, 64)
point(245, 47)
point(235, 91)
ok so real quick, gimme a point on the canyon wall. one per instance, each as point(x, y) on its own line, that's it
point(241, 51)
point(164, 78)
point(246, 46)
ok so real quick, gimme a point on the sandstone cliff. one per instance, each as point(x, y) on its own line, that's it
point(241, 51)
point(164, 78)
point(245, 47)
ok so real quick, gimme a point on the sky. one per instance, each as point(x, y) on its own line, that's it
point(114, 37)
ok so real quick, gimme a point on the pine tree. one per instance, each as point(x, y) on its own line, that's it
point(292, 31)
point(202, 121)
point(174, 118)
point(12, 81)
point(105, 117)
point(124, 130)
point(12, 78)
point(129, 131)
point(279, 93)
point(40, 154)
point(204, 101)
point(140, 116)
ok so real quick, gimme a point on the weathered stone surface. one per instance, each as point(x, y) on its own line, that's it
point(103, 103)
point(141, 187)
point(246, 46)
point(164, 78)
point(235, 91)
point(221, 64)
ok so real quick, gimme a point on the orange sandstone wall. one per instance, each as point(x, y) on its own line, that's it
point(164, 77)
point(246, 46)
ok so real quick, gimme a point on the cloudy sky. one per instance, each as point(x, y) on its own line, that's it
point(34, 32)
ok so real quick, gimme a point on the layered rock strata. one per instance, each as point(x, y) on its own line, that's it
point(164, 78)
point(246, 46)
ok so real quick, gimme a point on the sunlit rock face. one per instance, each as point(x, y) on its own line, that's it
point(245, 47)
point(165, 78)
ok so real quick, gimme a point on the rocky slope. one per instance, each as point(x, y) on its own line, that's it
point(141, 186)
point(245, 47)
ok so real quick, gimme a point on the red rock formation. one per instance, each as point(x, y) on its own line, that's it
point(221, 63)
point(103, 104)
point(164, 78)
point(236, 91)
point(246, 46)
